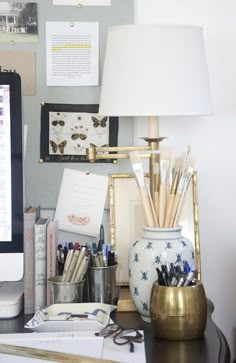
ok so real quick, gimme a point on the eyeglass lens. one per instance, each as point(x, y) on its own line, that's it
point(121, 336)
point(108, 330)
point(128, 335)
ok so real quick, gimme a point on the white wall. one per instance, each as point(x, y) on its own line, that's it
point(213, 141)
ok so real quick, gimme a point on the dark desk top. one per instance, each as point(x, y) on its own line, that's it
point(211, 348)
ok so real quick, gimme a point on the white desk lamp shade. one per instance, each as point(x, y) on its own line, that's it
point(155, 70)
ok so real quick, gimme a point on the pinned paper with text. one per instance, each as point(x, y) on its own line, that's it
point(82, 2)
point(81, 202)
point(72, 51)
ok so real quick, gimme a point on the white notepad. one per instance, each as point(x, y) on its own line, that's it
point(81, 202)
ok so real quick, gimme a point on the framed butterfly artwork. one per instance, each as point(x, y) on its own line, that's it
point(67, 130)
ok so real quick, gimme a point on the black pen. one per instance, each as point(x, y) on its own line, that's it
point(111, 258)
point(101, 239)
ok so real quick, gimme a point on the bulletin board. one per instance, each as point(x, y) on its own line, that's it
point(42, 179)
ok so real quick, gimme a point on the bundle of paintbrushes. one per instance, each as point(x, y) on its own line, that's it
point(172, 177)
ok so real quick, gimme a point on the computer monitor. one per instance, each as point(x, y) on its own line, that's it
point(11, 178)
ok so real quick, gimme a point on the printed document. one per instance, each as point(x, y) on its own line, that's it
point(81, 202)
point(72, 51)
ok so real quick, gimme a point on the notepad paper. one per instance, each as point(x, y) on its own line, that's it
point(75, 343)
point(81, 202)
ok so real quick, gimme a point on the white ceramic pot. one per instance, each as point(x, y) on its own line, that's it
point(158, 246)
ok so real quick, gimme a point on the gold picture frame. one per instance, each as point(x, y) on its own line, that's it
point(127, 220)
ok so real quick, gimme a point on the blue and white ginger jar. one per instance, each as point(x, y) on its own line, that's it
point(158, 246)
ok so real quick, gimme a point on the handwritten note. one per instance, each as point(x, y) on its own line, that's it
point(81, 202)
point(72, 51)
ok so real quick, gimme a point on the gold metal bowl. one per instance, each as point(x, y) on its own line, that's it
point(178, 313)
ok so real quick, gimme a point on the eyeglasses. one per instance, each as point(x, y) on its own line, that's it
point(121, 336)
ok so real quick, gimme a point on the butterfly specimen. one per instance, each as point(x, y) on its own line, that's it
point(60, 146)
point(102, 122)
point(56, 122)
point(79, 136)
point(93, 145)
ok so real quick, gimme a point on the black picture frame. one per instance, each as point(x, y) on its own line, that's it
point(68, 129)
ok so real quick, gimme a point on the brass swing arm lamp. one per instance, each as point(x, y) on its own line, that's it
point(122, 152)
point(152, 71)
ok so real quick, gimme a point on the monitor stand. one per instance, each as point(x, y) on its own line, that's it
point(11, 299)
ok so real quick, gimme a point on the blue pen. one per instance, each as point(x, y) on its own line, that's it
point(186, 266)
point(94, 248)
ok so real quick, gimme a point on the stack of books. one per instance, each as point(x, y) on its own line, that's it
point(40, 245)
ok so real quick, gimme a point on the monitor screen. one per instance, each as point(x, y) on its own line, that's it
point(11, 178)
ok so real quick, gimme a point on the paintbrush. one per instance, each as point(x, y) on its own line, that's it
point(172, 194)
point(186, 182)
point(139, 175)
point(152, 205)
point(156, 170)
point(182, 173)
point(48, 355)
point(164, 167)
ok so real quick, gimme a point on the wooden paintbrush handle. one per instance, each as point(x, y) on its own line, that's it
point(156, 204)
point(153, 211)
point(169, 208)
point(147, 207)
point(179, 210)
point(48, 355)
point(162, 204)
point(174, 209)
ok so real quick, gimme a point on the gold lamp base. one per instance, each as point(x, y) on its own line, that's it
point(178, 313)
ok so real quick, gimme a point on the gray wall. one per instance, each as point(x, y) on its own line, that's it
point(42, 181)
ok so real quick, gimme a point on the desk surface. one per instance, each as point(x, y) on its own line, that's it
point(211, 348)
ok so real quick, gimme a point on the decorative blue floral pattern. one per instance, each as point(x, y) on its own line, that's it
point(168, 245)
point(178, 259)
point(145, 306)
point(157, 260)
point(183, 243)
point(136, 293)
point(144, 275)
point(136, 257)
point(149, 245)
